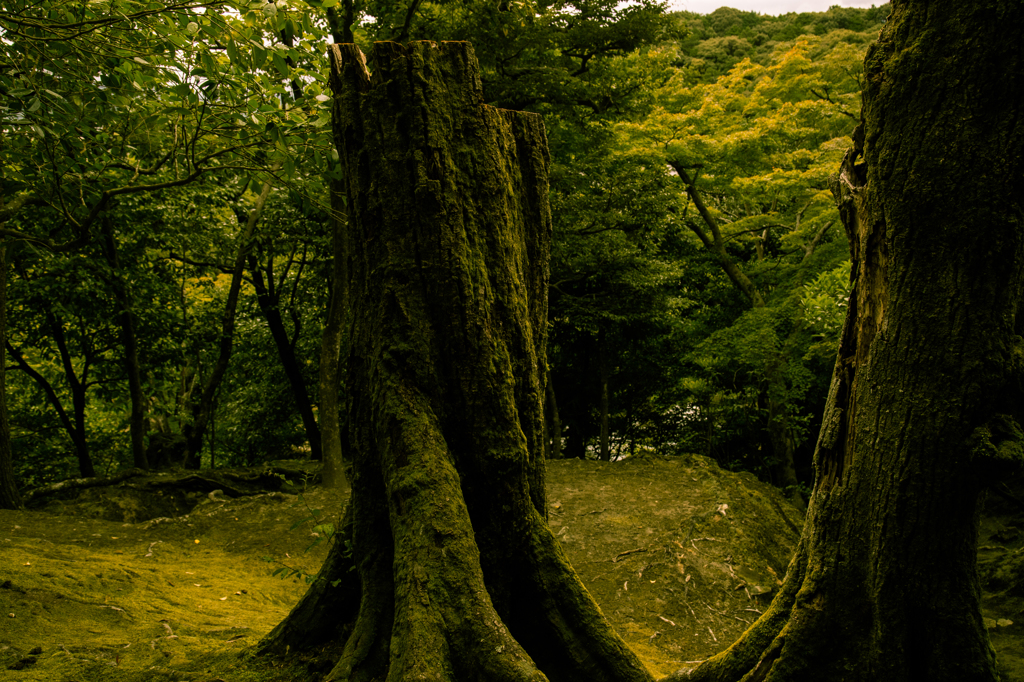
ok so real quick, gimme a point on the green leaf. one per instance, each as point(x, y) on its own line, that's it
point(233, 54)
point(259, 56)
point(281, 65)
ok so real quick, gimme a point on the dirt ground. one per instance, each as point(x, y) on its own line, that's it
point(681, 555)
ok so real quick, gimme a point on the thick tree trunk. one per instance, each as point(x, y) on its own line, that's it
point(924, 408)
point(9, 496)
point(270, 305)
point(330, 344)
point(450, 229)
point(126, 319)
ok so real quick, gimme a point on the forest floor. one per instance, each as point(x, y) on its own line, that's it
point(142, 581)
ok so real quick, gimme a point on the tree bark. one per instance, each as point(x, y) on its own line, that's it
point(328, 610)
point(126, 319)
point(449, 228)
point(330, 344)
point(924, 408)
point(9, 495)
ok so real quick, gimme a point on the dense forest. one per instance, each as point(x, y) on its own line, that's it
point(442, 245)
point(168, 224)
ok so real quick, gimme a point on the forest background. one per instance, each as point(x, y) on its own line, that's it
point(170, 199)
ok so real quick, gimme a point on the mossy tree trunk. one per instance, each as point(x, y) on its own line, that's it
point(449, 231)
point(925, 404)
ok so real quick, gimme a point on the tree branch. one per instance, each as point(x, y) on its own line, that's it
point(716, 244)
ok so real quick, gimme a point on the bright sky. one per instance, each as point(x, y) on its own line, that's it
point(774, 7)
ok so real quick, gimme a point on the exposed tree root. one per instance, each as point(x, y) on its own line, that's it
point(79, 484)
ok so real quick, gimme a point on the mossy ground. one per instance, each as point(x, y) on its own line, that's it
point(680, 555)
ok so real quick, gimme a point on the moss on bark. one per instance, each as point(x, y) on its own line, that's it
point(449, 230)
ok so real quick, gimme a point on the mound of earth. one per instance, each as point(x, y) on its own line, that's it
point(681, 555)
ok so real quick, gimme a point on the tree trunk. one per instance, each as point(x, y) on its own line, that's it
point(449, 228)
point(715, 243)
point(126, 319)
point(925, 401)
point(603, 375)
point(554, 421)
point(330, 345)
point(9, 496)
point(269, 302)
point(78, 387)
point(194, 429)
point(780, 433)
point(576, 441)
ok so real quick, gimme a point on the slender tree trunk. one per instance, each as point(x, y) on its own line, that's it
point(78, 436)
point(269, 303)
point(461, 579)
point(714, 242)
point(78, 387)
point(780, 431)
point(195, 428)
point(330, 345)
point(10, 498)
point(576, 442)
point(924, 407)
point(603, 376)
point(126, 319)
point(554, 422)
